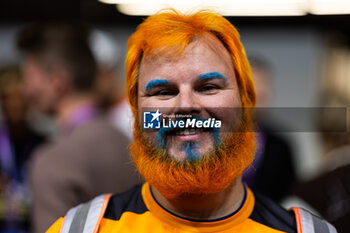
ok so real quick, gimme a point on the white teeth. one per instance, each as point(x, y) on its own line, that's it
point(188, 131)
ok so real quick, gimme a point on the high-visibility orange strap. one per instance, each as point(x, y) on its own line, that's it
point(298, 219)
point(62, 224)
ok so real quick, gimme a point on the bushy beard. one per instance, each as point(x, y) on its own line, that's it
point(211, 173)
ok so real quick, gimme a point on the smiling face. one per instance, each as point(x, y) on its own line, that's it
point(200, 82)
point(190, 65)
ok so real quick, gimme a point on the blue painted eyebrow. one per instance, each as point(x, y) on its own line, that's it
point(211, 75)
point(156, 82)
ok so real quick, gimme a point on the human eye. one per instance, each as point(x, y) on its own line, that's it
point(164, 92)
point(209, 88)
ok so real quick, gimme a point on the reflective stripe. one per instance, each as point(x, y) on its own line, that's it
point(79, 219)
point(309, 223)
point(320, 225)
point(306, 221)
point(331, 228)
point(68, 219)
point(85, 218)
point(297, 218)
point(96, 211)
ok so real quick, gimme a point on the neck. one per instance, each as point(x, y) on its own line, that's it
point(204, 207)
point(71, 103)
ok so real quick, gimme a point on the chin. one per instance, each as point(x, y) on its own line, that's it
point(184, 148)
point(188, 152)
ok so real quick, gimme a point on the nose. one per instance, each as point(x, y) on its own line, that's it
point(187, 102)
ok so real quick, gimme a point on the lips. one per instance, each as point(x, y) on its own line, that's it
point(188, 132)
point(174, 133)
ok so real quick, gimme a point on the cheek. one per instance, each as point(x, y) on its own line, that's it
point(232, 100)
point(227, 108)
point(33, 85)
point(226, 99)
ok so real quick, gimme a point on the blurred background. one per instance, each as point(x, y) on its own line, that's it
point(304, 46)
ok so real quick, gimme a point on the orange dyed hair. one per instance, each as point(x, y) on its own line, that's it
point(175, 30)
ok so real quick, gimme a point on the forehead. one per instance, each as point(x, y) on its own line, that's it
point(203, 54)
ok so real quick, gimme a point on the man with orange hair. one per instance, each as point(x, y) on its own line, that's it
point(191, 91)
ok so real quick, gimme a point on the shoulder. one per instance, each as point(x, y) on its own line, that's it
point(46, 158)
point(99, 125)
point(45, 171)
point(269, 213)
point(130, 201)
point(99, 132)
point(87, 139)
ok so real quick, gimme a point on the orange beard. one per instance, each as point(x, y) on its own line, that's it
point(212, 173)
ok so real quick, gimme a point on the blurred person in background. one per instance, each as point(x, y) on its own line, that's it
point(17, 143)
point(329, 192)
point(272, 172)
point(110, 84)
point(60, 72)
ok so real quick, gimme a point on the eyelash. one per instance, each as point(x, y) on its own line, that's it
point(210, 86)
point(205, 88)
point(167, 92)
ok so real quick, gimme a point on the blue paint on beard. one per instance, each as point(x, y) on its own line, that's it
point(161, 136)
point(191, 150)
point(190, 147)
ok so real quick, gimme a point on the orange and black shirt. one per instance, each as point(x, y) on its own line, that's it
point(138, 211)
